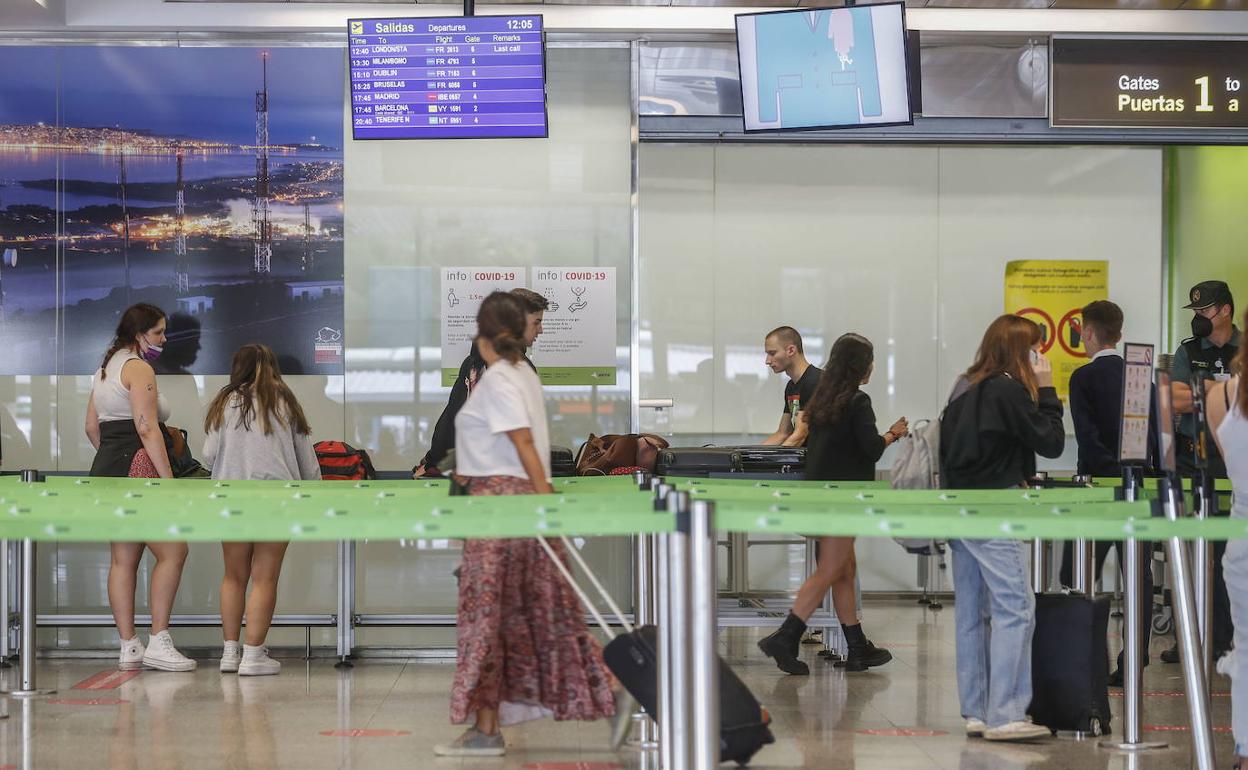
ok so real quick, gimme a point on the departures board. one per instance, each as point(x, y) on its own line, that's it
point(463, 77)
point(1130, 82)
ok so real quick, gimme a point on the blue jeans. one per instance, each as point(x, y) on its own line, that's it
point(995, 612)
point(1235, 567)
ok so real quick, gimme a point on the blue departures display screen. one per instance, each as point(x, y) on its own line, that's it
point(462, 77)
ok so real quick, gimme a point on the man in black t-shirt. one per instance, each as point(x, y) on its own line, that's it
point(785, 354)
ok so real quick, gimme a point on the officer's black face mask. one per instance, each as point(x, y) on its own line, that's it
point(1201, 327)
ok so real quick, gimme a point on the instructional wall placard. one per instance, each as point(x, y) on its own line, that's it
point(577, 345)
point(1137, 391)
point(1052, 293)
point(463, 291)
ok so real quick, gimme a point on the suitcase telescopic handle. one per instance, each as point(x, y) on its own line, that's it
point(567, 575)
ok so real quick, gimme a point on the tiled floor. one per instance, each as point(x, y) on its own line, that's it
point(205, 719)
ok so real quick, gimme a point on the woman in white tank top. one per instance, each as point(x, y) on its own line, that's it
point(1227, 403)
point(124, 417)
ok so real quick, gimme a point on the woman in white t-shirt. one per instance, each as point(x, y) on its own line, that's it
point(524, 650)
point(1227, 403)
point(125, 416)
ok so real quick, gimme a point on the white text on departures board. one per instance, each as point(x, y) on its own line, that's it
point(395, 27)
point(448, 28)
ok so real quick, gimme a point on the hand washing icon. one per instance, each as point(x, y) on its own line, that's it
point(579, 304)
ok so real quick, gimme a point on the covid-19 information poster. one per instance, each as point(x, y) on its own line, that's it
point(1052, 293)
point(577, 345)
point(463, 291)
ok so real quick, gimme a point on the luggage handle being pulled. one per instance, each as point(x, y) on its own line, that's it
point(602, 591)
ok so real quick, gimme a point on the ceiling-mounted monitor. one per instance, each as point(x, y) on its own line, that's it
point(460, 77)
point(826, 68)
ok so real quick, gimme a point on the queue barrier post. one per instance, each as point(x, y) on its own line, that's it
point(1133, 636)
point(644, 600)
point(1202, 568)
point(704, 659)
point(346, 603)
point(1170, 491)
point(675, 675)
point(27, 650)
point(6, 603)
point(663, 614)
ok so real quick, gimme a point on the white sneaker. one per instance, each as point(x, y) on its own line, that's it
point(162, 655)
point(1226, 664)
point(231, 654)
point(975, 728)
point(256, 662)
point(1017, 731)
point(131, 655)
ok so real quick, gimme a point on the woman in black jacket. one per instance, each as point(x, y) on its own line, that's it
point(1005, 411)
point(843, 444)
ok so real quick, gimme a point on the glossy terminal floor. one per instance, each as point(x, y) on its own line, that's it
point(391, 713)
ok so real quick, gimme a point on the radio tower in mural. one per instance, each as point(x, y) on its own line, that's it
point(181, 265)
point(260, 216)
point(307, 236)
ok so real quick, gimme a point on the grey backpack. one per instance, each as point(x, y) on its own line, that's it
point(917, 466)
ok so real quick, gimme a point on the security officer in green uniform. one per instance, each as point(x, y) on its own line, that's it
point(1209, 352)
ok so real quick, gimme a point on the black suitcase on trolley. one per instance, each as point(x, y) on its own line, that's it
point(1070, 664)
point(769, 459)
point(562, 462)
point(745, 726)
point(694, 461)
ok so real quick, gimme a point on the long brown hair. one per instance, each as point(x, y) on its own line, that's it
point(1006, 349)
point(1241, 368)
point(257, 380)
point(137, 320)
point(501, 320)
point(848, 365)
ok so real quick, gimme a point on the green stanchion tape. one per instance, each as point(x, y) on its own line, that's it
point(934, 497)
point(1220, 485)
point(704, 483)
point(581, 485)
point(314, 515)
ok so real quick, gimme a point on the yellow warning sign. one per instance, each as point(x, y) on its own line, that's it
point(1052, 293)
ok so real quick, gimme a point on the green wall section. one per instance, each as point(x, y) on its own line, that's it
point(1208, 216)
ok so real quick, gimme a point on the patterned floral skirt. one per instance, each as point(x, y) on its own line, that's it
point(524, 648)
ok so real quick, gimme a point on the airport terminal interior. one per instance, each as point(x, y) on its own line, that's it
point(692, 218)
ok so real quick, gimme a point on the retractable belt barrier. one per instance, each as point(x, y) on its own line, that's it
point(682, 516)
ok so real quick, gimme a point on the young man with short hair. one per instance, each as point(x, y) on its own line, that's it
point(783, 346)
point(1096, 409)
point(535, 306)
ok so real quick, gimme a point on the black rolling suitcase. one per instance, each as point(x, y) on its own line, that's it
point(1070, 664)
point(769, 459)
point(694, 461)
point(745, 726)
point(562, 462)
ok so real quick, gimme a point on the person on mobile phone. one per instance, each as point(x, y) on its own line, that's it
point(1007, 413)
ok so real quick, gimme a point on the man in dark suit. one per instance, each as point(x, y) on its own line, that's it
point(1096, 409)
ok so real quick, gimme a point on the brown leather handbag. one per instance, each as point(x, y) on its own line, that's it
point(602, 454)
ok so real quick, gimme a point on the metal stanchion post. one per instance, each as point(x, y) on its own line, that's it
point(704, 657)
point(1039, 566)
point(663, 613)
point(1190, 653)
point(679, 623)
point(1082, 571)
point(346, 602)
point(29, 651)
point(1202, 570)
point(1135, 603)
point(6, 604)
point(643, 613)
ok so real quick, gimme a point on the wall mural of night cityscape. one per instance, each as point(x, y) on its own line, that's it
point(207, 181)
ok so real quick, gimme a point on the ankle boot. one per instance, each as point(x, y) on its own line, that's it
point(782, 646)
point(862, 653)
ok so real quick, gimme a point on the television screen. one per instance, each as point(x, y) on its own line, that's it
point(462, 77)
point(828, 68)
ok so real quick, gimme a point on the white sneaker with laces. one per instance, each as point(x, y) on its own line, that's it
point(131, 655)
point(231, 656)
point(256, 662)
point(975, 728)
point(1023, 730)
point(162, 655)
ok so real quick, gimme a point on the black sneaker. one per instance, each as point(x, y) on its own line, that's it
point(863, 657)
point(1171, 655)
